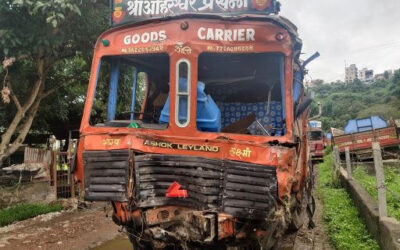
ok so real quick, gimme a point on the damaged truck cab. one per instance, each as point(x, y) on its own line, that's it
point(195, 124)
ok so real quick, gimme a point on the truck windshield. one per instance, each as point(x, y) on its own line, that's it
point(315, 135)
point(243, 93)
point(131, 91)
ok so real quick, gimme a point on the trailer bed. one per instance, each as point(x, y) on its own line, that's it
point(358, 142)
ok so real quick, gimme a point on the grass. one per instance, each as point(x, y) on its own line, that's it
point(345, 228)
point(25, 211)
point(392, 181)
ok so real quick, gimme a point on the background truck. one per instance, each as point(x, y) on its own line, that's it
point(359, 134)
point(316, 141)
point(195, 124)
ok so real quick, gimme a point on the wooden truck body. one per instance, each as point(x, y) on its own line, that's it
point(359, 134)
point(387, 137)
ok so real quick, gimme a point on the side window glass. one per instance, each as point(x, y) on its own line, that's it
point(182, 94)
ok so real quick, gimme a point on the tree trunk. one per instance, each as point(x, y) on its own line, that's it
point(25, 126)
point(23, 119)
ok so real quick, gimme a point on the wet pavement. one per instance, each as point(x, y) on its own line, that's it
point(72, 230)
point(119, 243)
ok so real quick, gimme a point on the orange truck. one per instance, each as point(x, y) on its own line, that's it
point(195, 124)
point(316, 141)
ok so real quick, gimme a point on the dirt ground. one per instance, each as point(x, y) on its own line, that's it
point(308, 239)
point(82, 229)
point(91, 229)
point(305, 238)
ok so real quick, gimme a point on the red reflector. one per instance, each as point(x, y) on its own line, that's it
point(173, 191)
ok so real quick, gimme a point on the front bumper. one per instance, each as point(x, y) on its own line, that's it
point(240, 189)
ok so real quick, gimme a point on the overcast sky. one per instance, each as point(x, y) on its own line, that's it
point(364, 32)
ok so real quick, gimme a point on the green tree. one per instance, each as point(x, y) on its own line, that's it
point(38, 41)
point(341, 102)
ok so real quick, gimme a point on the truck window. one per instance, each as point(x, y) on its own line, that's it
point(315, 135)
point(245, 93)
point(182, 105)
point(131, 91)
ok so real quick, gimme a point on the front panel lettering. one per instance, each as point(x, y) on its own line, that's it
point(189, 147)
point(145, 37)
point(227, 35)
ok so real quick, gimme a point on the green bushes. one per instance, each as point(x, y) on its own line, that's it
point(345, 228)
point(25, 211)
point(344, 101)
point(392, 181)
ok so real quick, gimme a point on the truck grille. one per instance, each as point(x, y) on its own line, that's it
point(240, 189)
point(106, 175)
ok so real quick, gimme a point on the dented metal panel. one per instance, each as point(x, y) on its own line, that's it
point(106, 175)
point(240, 189)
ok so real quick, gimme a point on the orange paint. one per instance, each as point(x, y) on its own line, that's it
point(175, 191)
point(289, 161)
point(226, 226)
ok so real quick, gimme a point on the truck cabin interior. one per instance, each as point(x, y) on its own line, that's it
point(131, 91)
point(248, 91)
point(236, 93)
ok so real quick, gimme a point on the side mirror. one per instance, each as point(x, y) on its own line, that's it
point(303, 106)
point(319, 112)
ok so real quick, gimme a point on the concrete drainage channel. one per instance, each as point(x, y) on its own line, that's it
point(385, 230)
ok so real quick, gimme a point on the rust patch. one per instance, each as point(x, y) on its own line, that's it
point(165, 214)
point(226, 226)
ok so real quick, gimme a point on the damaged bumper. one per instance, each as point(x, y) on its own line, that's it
point(224, 198)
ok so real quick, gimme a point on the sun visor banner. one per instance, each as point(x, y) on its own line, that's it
point(131, 11)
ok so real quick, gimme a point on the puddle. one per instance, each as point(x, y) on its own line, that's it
point(119, 243)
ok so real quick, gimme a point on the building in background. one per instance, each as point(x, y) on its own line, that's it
point(366, 75)
point(351, 73)
point(388, 74)
point(385, 75)
point(379, 77)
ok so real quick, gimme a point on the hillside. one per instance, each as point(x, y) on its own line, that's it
point(341, 102)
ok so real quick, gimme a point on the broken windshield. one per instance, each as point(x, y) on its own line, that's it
point(241, 93)
point(131, 91)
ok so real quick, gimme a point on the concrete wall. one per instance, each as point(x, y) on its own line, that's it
point(27, 193)
point(385, 230)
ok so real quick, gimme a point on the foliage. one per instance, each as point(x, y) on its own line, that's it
point(344, 101)
point(50, 44)
point(345, 227)
point(66, 105)
point(28, 27)
point(392, 180)
point(25, 211)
